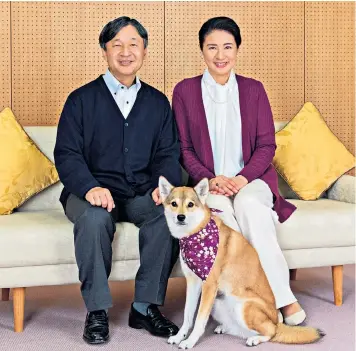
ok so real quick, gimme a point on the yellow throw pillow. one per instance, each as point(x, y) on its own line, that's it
point(24, 169)
point(309, 156)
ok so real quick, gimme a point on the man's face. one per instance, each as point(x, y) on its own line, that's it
point(125, 53)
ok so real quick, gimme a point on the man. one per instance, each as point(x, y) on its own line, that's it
point(116, 136)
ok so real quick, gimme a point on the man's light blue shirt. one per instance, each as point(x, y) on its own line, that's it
point(123, 96)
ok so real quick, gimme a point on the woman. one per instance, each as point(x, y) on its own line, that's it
point(227, 135)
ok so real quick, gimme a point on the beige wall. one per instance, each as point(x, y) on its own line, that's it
point(272, 47)
point(55, 50)
point(330, 65)
point(301, 51)
point(5, 55)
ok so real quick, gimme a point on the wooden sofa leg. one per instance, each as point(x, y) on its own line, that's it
point(337, 273)
point(5, 294)
point(19, 308)
point(293, 274)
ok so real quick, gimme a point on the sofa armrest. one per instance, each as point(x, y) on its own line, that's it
point(343, 189)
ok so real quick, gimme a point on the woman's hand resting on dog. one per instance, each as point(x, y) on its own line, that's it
point(222, 185)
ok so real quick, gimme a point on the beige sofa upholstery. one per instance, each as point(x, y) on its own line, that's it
point(36, 242)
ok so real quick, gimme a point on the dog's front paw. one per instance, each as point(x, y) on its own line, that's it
point(176, 339)
point(187, 344)
point(220, 330)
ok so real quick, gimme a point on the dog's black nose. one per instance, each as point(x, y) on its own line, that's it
point(181, 218)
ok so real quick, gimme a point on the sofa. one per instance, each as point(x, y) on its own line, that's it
point(37, 249)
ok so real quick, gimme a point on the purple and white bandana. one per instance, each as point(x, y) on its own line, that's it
point(199, 250)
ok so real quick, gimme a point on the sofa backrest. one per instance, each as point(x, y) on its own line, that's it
point(45, 137)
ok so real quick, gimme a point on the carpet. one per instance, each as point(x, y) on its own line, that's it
point(54, 318)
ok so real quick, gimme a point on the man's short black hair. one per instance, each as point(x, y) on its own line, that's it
point(219, 23)
point(113, 27)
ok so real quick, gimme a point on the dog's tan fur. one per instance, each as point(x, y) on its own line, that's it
point(237, 273)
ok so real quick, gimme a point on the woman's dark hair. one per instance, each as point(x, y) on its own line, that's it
point(112, 28)
point(219, 23)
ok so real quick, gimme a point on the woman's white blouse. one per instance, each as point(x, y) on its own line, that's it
point(222, 110)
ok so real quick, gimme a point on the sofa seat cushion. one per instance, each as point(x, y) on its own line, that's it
point(46, 237)
point(315, 224)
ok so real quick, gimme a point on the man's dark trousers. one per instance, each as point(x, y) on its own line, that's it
point(94, 229)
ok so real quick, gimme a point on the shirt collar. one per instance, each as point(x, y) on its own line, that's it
point(209, 80)
point(114, 85)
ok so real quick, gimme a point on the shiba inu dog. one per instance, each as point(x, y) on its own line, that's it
point(223, 269)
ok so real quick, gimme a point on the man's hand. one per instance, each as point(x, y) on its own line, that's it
point(240, 181)
point(156, 197)
point(100, 197)
point(222, 185)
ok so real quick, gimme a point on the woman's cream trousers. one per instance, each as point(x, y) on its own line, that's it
point(250, 212)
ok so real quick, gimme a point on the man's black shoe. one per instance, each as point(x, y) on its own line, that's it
point(96, 330)
point(154, 322)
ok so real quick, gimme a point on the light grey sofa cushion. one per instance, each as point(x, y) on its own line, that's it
point(46, 237)
point(316, 224)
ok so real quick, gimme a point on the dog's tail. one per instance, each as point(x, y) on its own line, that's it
point(286, 334)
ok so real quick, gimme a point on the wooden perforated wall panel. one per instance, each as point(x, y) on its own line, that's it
point(5, 56)
point(56, 49)
point(272, 48)
point(301, 51)
point(330, 65)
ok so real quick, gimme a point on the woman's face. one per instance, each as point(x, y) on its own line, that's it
point(219, 53)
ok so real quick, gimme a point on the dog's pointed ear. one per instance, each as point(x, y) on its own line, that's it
point(202, 190)
point(165, 188)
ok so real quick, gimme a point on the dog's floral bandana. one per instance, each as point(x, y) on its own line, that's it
point(199, 250)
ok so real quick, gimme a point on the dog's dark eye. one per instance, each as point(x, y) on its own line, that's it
point(190, 204)
point(174, 204)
